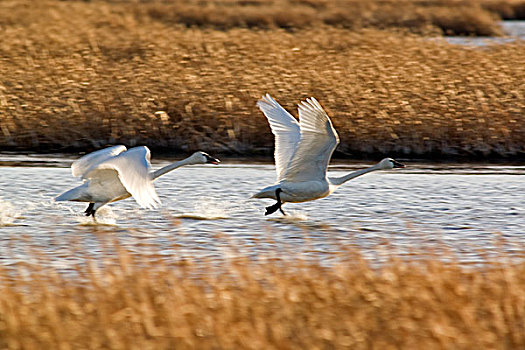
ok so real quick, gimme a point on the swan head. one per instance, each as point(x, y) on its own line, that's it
point(389, 163)
point(200, 157)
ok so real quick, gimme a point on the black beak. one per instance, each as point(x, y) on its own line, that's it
point(397, 164)
point(211, 160)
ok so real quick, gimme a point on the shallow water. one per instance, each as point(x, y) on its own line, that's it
point(467, 208)
point(514, 30)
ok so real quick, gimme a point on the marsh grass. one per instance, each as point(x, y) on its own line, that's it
point(448, 17)
point(505, 9)
point(83, 75)
point(130, 300)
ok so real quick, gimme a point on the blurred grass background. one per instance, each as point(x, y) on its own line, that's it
point(137, 299)
point(185, 75)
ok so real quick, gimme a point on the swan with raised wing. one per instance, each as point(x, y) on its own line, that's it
point(302, 152)
point(115, 173)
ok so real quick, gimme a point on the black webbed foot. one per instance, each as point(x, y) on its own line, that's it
point(277, 206)
point(90, 211)
point(273, 208)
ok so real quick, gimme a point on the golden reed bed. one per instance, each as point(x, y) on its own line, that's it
point(78, 75)
point(280, 301)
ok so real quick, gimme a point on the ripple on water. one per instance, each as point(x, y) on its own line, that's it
point(406, 209)
point(207, 209)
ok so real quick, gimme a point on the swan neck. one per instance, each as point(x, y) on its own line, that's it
point(338, 181)
point(159, 172)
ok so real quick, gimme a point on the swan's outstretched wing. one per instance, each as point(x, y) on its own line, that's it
point(84, 165)
point(286, 130)
point(318, 141)
point(133, 168)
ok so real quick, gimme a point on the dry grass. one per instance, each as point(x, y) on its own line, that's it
point(82, 75)
point(445, 16)
point(131, 301)
point(506, 9)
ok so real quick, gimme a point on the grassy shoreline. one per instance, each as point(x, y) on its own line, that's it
point(78, 76)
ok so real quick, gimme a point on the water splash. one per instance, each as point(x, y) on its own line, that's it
point(8, 213)
point(291, 216)
point(104, 216)
point(207, 209)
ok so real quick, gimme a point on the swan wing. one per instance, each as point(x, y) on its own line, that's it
point(85, 164)
point(317, 143)
point(286, 130)
point(133, 169)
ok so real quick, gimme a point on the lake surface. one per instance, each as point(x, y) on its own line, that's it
point(471, 209)
point(514, 30)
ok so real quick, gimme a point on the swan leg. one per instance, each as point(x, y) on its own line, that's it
point(277, 206)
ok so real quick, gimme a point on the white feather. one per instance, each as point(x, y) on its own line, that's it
point(286, 130)
point(317, 143)
point(83, 165)
point(132, 169)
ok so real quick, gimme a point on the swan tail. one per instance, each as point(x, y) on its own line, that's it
point(75, 194)
point(267, 192)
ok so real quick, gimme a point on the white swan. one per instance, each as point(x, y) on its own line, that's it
point(114, 173)
point(302, 153)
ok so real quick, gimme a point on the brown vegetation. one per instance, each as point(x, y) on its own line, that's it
point(83, 75)
point(133, 301)
point(448, 17)
point(506, 9)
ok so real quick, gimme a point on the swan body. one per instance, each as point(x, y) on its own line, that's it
point(297, 192)
point(302, 153)
point(115, 173)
